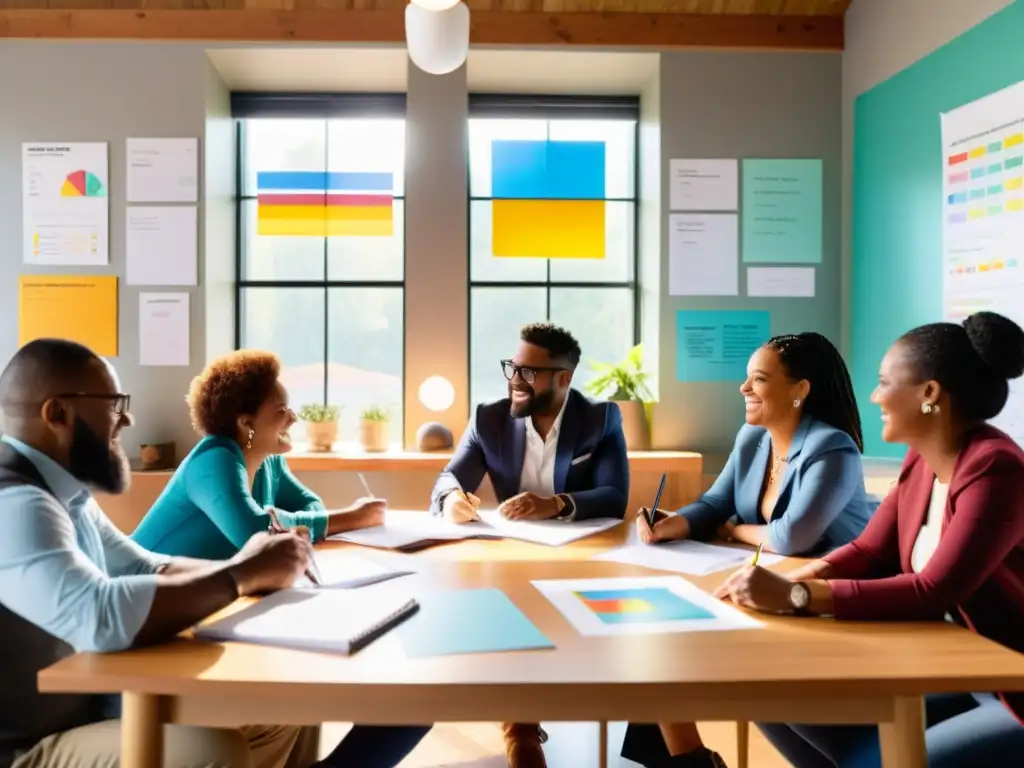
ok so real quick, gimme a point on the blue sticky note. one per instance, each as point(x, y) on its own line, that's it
point(541, 170)
point(468, 621)
point(782, 211)
point(715, 345)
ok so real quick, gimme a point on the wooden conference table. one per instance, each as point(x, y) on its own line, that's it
point(795, 669)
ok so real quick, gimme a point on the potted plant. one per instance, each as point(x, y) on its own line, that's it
point(321, 426)
point(374, 426)
point(625, 383)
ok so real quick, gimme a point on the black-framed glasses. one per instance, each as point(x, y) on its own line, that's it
point(527, 373)
point(119, 402)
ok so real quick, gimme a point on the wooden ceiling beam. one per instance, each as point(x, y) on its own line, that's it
point(603, 30)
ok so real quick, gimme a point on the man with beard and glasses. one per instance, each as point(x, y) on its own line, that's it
point(550, 453)
point(71, 582)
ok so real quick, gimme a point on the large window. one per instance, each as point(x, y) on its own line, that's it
point(552, 186)
point(321, 261)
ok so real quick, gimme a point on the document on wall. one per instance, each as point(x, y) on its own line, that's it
point(65, 204)
point(163, 170)
point(703, 254)
point(703, 185)
point(163, 329)
point(692, 557)
point(983, 219)
point(782, 210)
point(82, 308)
point(162, 245)
point(779, 282)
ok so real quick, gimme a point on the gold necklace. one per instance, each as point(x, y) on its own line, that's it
point(777, 462)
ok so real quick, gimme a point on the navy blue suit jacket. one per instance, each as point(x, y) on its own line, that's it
point(821, 505)
point(590, 460)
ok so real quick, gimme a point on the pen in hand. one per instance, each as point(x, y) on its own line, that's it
point(366, 486)
point(757, 555)
point(312, 573)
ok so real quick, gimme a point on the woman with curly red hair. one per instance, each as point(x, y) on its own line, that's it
point(220, 494)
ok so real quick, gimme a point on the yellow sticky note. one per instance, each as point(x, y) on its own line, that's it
point(80, 308)
point(549, 229)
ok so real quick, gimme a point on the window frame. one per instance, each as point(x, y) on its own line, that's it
point(553, 107)
point(315, 106)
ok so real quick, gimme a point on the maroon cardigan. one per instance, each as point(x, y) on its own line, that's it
point(978, 567)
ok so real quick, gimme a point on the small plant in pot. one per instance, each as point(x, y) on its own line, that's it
point(321, 426)
point(625, 383)
point(374, 426)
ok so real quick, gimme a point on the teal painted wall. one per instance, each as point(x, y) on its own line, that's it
point(897, 193)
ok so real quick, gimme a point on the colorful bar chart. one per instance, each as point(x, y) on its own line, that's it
point(325, 204)
point(548, 199)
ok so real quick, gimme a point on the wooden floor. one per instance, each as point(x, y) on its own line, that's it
point(571, 745)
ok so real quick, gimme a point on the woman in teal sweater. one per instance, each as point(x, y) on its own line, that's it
point(219, 495)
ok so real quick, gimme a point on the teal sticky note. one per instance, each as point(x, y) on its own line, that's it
point(715, 345)
point(782, 211)
point(468, 621)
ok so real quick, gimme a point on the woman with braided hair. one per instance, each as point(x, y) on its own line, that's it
point(793, 483)
point(946, 544)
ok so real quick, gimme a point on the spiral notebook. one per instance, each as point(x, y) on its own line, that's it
point(321, 620)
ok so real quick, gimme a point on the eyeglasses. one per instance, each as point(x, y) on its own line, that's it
point(527, 373)
point(119, 402)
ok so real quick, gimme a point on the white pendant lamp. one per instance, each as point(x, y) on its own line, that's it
point(438, 41)
point(435, 5)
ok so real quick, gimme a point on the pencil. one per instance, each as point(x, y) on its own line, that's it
point(757, 554)
point(366, 486)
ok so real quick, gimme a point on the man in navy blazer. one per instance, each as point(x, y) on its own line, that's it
point(550, 453)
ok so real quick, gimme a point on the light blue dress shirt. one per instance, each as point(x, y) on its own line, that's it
point(66, 568)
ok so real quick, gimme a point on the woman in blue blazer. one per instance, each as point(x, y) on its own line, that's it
point(793, 482)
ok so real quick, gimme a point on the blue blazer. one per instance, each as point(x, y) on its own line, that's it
point(590, 460)
point(822, 503)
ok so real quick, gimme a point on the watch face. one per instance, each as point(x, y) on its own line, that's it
point(799, 596)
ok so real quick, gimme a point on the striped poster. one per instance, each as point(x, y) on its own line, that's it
point(325, 204)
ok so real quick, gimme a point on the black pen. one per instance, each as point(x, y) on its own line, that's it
point(657, 500)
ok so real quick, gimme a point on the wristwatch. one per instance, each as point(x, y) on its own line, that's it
point(566, 506)
point(800, 597)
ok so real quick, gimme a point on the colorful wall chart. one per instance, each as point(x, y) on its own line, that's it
point(81, 308)
point(983, 218)
point(65, 205)
point(325, 204)
point(715, 345)
point(548, 199)
point(782, 211)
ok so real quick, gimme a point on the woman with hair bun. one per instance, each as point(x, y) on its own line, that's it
point(946, 543)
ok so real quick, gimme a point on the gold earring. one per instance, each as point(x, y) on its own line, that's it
point(248, 445)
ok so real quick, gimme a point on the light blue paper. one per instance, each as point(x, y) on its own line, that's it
point(782, 211)
point(468, 621)
point(715, 345)
point(542, 170)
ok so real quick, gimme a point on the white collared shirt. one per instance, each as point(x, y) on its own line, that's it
point(538, 475)
point(928, 537)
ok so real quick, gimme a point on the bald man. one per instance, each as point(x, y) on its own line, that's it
point(71, 582)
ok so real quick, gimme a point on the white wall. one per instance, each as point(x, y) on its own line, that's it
point(884, 37)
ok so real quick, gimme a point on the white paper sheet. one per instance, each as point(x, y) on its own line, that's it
point(703, 185)
point(163, 170)
point(349, 570)
point(551, 533)
point(162, 245)
point(312, 620)
point(163, 329)
point(641, 606)
point(693, 557)
point(704, 254)
point(796, 282)
point(65, 201)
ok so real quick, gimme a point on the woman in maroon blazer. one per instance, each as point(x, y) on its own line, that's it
point(947, 542)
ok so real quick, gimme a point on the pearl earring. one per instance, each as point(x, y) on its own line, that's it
point(926, 408)
point(248, 445)
point(796, 403)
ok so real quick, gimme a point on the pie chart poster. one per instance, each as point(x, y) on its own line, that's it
point(65, 204)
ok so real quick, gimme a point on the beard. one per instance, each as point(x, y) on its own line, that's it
point(538, 402)
point(96, 462)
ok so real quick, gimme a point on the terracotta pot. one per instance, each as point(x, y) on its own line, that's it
point(634, 425)
point(322, 435)
point(373, 435)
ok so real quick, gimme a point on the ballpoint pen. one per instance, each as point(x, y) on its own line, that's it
point(313, 572)
point(366, 486)
point(651, 519)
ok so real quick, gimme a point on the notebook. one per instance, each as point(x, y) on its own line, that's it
point(337, 621)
